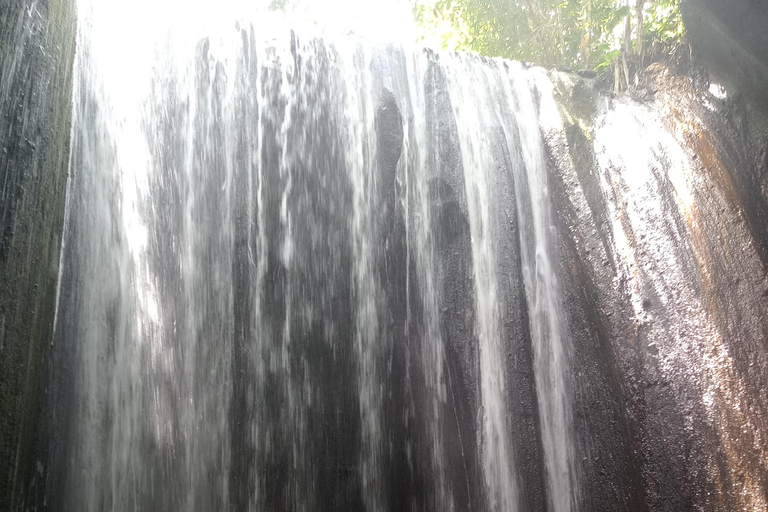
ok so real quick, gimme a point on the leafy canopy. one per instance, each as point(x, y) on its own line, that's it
point(571, 33)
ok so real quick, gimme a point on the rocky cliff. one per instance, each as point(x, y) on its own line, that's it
point(37, 47)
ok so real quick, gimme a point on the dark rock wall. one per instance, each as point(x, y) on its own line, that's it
point(37, 46)
point(664, 256)
point(610, 476)
point(662, 243)
point(732, 40)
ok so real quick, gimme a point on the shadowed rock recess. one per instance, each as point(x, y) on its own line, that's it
point(306, 274)
point(731, 38)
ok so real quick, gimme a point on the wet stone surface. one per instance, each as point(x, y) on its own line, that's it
point(663, 236)
point(310, 275)
point(36, 54)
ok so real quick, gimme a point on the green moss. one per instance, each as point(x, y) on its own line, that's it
point(35, 118)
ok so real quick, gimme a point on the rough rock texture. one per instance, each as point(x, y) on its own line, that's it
point(609, 476)
point(731, 40)
point(37, 40)
point(325, 352)
point(664, 248)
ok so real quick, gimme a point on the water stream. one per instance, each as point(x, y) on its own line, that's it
point(303, 273)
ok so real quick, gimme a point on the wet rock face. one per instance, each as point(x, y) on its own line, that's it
point(659, 205)
point(352, 275)
point(36, 55)
point(731, 38)
point(389, 128)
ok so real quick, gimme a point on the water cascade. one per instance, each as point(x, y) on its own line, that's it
point(305, 272)
point(278, 307)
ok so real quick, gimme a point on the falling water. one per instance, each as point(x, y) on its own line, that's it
point(507, 89)
point(304, 273)
point(548, 332)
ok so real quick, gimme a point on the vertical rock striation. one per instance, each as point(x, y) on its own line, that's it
point(37, 48)
point(309, 274)
point(665, 249)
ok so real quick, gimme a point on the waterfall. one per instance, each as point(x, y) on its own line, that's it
point(506, 99)
point(294, 275)
point(308, 272)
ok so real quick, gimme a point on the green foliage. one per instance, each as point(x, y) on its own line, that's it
point(572, 33)
point(277, 5)
point(665, 26)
